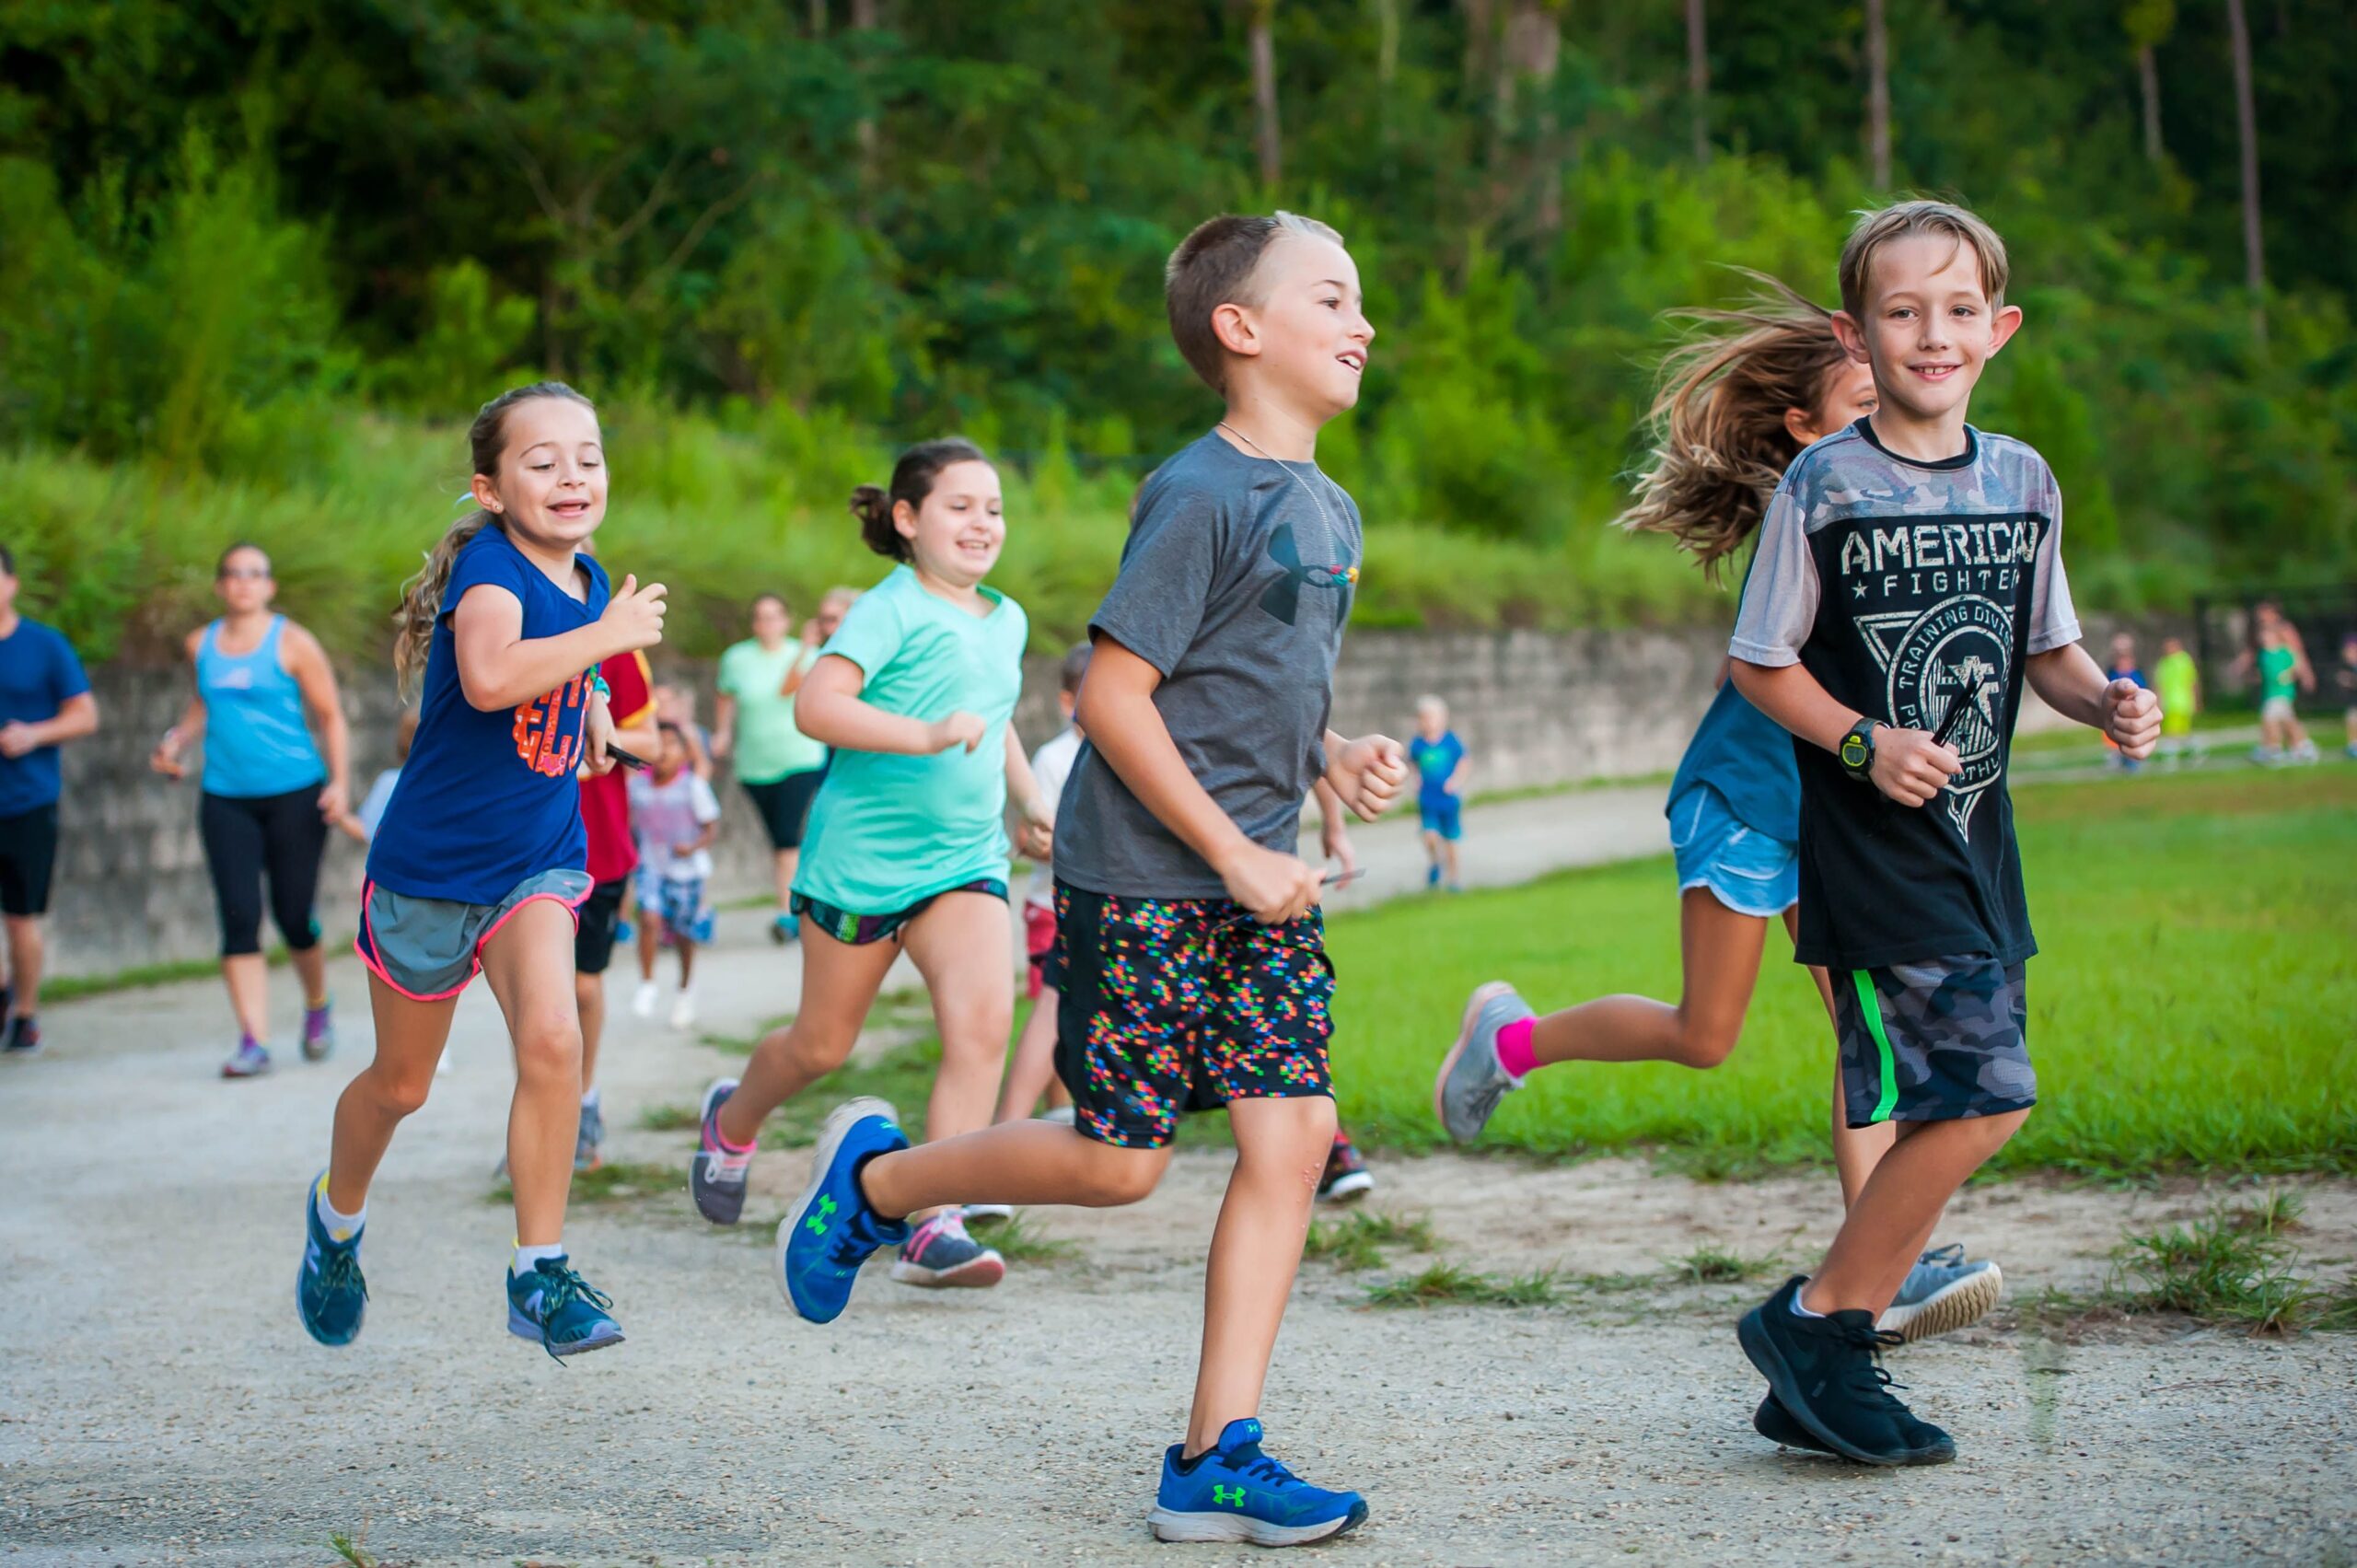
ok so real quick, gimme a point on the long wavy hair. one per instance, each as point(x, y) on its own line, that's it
point(1716, 427)
point(421, 595)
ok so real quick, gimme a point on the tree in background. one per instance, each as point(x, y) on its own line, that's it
point(2246, 135)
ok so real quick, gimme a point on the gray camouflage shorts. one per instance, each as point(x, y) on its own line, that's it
point(1936, 1042)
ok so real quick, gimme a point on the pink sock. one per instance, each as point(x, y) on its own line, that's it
point(1513, 1047)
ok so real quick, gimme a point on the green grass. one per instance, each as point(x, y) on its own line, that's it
point(617, 1181)
point(1020, 1240)
point(1453, 1285)
point(1362, 1239)
point(2192, 1006)
point(902, 1075)
point(2234, 1268)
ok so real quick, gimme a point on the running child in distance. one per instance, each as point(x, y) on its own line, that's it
point(675, 817)
point(906, 848)
point(1439, 758)
point(1738, 403)
point(477, 864)
point(1908, 580)
point(1192, 951)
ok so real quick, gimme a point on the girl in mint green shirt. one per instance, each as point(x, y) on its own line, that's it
point(906, 848)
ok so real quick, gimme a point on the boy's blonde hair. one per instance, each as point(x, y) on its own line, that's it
point(1216, 265)
point(1879, 228)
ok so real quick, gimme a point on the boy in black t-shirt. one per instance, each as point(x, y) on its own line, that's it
point(1910, 575)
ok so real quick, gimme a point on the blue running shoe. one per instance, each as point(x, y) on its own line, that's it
point(329, 1291)
point(560, 1310)
point(1942, 1294)
point(826, 1237)
point(1237, 1493)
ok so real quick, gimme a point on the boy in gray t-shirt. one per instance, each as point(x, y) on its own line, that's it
point(1194, 971)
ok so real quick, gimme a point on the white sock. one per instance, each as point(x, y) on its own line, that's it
point(1801, 1311)
point(529, 1257)
point(343, 1227)
point(589, 1099)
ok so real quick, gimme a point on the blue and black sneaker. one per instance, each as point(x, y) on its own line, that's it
point(556, 1306)
point(329, 1291)
point(1237, 1493)
point(826, 1237)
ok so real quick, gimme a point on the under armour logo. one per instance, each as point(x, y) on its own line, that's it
point(817, 1223)
point(1228, 1497)
point(1284, 597)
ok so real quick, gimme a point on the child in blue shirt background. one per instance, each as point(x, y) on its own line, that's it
point(1439, 757)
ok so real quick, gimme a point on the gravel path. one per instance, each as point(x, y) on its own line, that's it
point(158, 1401)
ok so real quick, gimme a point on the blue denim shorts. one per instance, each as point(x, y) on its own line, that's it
point(1445, 817)
point(1750, 872)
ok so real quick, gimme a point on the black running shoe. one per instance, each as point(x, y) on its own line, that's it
point(1827, 1373)
point(1776, 1424)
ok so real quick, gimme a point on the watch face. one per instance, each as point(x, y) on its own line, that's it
point(1853, 751)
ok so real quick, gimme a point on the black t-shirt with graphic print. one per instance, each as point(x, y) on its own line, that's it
point(1235, 584)
point(1906, 587)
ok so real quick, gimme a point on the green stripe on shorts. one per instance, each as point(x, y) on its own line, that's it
point(1871, 1007)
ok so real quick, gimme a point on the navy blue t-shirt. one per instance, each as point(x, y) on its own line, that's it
point(1436, 761)
point(488, 800)
point(1748, 757)
point(39, 675)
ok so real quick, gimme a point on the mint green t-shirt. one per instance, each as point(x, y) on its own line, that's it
point(887, 830)
point(768, 746)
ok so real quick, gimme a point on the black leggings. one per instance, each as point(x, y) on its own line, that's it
point(283, 834)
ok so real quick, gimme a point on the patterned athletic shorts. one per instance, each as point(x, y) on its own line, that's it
point(859, 930)
point(1936, 1041)
point(1178, 1004)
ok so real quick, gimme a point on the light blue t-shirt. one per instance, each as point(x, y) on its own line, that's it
point(886, 830)
point(1748, 757)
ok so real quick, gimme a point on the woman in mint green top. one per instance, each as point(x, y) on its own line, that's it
point(906, 848)
point(778, 766)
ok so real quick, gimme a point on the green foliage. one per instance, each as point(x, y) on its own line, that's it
point(2188, 1007)
point(261, 261)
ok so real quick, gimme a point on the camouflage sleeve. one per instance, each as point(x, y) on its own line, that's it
point(1780, 592)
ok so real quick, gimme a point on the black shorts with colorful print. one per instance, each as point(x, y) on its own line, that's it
point(1175, 1005)
point(1936, 1042)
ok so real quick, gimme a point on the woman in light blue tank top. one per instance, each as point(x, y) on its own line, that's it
point(265, 690)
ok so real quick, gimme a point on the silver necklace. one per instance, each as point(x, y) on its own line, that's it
point(1332, 531)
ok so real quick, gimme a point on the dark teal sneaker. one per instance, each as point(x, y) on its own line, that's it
point(825, 1237)
point(560, 1309)
point(329, 1291)
point(1237, 1494)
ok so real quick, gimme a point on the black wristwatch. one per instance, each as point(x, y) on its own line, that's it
point(1857, 751)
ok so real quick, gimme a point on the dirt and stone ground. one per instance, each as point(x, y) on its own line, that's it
point(159, 1403)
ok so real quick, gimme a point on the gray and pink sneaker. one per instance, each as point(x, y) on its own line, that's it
point(717, 1174)
point(939, 1255)
point(250, 1060)
point(318, 1031)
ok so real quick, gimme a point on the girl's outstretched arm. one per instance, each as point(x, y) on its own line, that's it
point(829, 711)
point(500, 667)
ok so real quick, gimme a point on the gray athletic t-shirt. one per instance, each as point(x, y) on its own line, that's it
point(1235, 584)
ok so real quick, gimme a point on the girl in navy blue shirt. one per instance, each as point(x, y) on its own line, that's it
point(479, 861)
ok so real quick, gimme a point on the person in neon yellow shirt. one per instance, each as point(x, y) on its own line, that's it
point(2176, 680)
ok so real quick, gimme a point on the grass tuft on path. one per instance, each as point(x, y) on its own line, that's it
point(2191, 1006)
point(1453, 1285)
